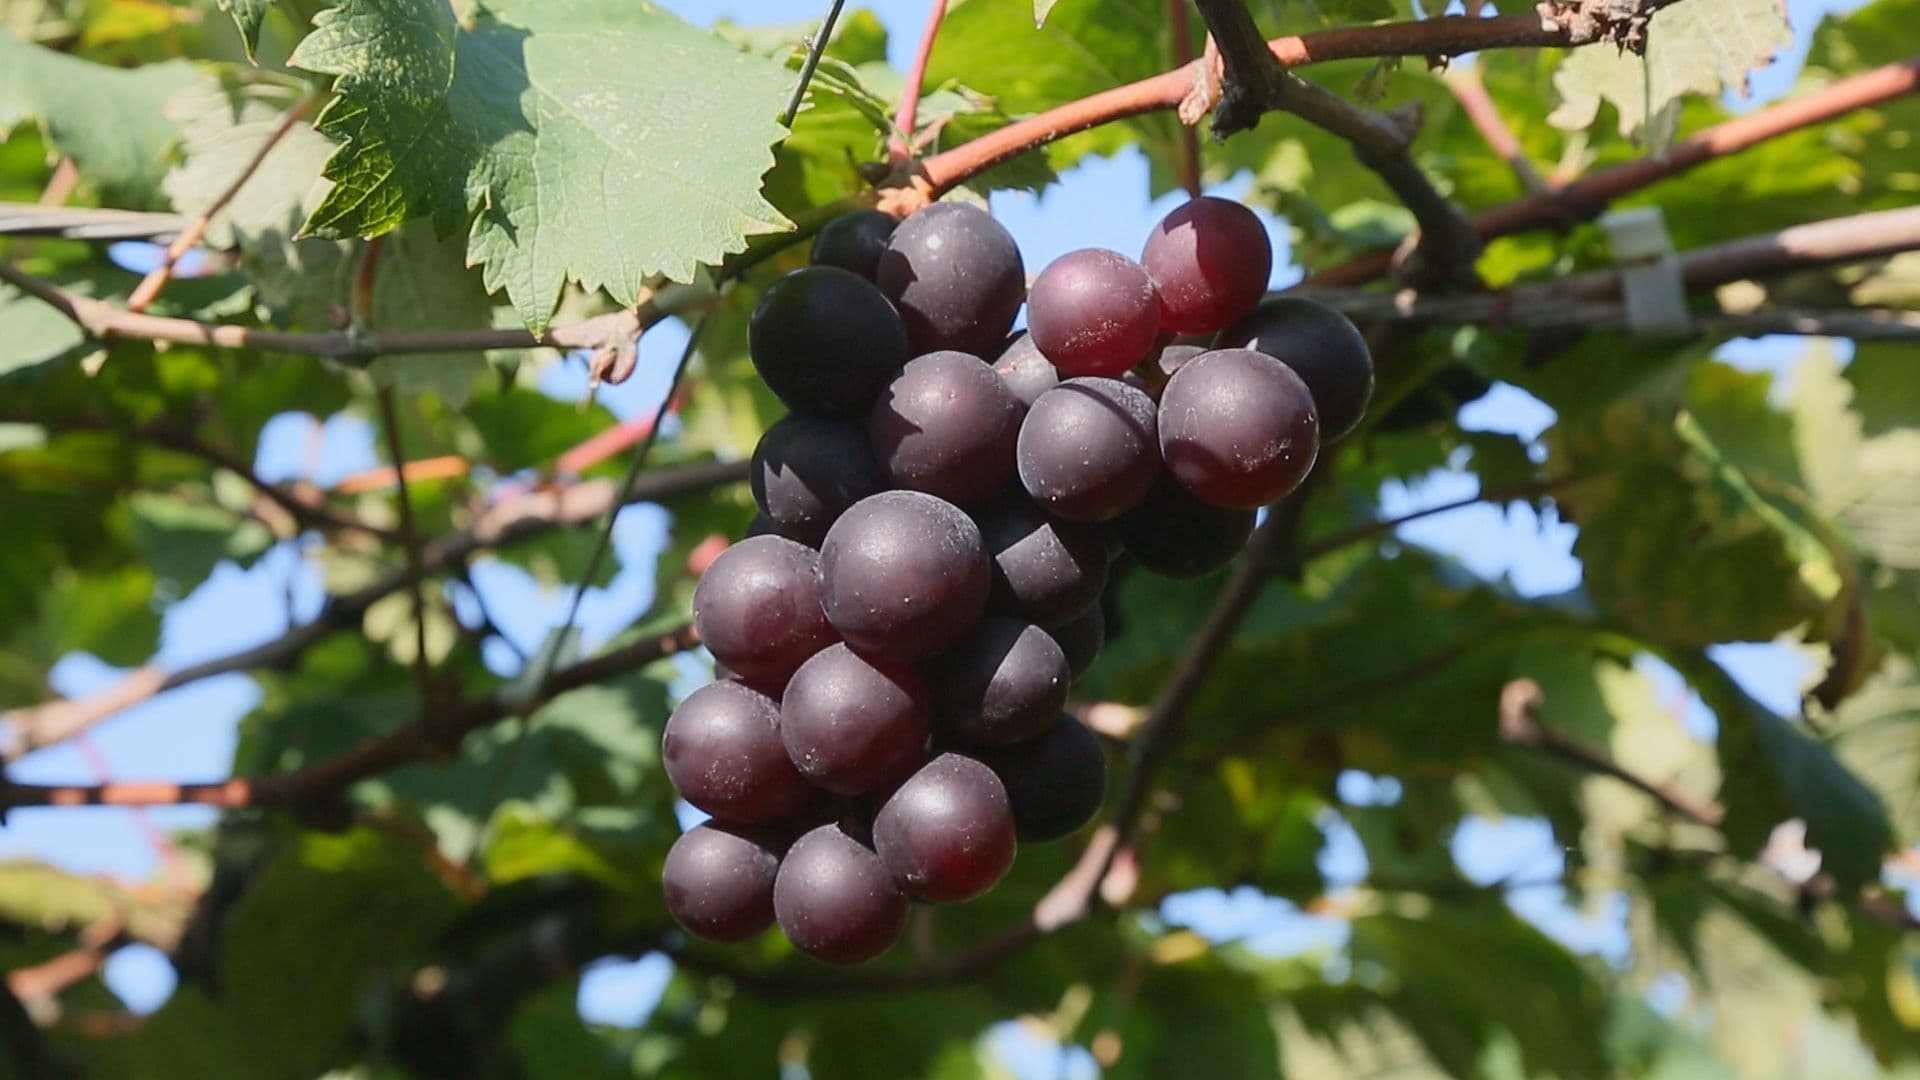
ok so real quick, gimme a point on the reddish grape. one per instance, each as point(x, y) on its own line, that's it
point(955, 275)
point(826, 341)
point(1323, 347)
point(1238, 428)
point(758, 610)
point(1004, 682)
point(1093, 312)
point(947, 833)
point(1176, 535)
point(946, 426)
point(719, 880)
point(852, 723)
point(1044, 570)
point(853, 241)
point(904, 574)
point(1210, 259)
point(723, 753)
point(1087, 449)
point(1024, 370)
point(806, 472)
point(1055, 783)
point(835, 900)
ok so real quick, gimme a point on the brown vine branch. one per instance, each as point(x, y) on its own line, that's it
point(90, 223)
point(1448, 35)
point(1520, 725)
point(525, 515)
point(1589, 196)
point(428, 734)
point(149, 288)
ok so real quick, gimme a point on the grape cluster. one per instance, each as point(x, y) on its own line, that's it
point(938, 514)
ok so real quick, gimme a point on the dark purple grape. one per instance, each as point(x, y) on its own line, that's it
point(946, 426)
point(826, 341)
point(852, 723)
point(1055, 783)
point(904, 574)
point(806, 472)
point(1024, 370)
point(1093, 312)
point(835, 900)
point(1082, 639)
point(853, 242)
point(1238, 428)
point(723, 753)
point(719, 880)
point(956, 276)
point(1323, 347)
point(1176, 535)
point(1088, 449)
point(947, 834)
point(757, 609)
point(1210, 259)
point(1004, 682)
point(1045, 570)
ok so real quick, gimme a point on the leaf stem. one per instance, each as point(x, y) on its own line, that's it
point(907, 115)
point(814, 49)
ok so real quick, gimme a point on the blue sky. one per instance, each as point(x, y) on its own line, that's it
point(190, 733)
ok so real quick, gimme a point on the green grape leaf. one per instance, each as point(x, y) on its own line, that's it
point(184, 539)
point(339, 909)
point(1784, 772)
point(248, 15)
point(1700, 47)
point(568, 127)
point(35, 332)
point(1885, 377)
point(108, 120)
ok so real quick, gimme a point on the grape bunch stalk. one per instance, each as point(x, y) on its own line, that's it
point(938, 513)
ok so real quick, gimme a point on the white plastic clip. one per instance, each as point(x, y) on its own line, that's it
point(1655, 292)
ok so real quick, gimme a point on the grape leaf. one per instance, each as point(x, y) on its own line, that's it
point(1700, 47)
point(106, 119)
point(247, 15)
point(596, 140)
point(34, 332)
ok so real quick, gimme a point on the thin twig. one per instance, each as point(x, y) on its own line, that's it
point(1470, 90)
point(410, 544)
point(814, 48)
point(157, 278)
point(1520, 725)
point(1182, 30)
point(907, 115)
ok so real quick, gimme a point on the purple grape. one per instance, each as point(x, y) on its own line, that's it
point(806, 472)
point(1055, 783)
point(1004, 682)
point(904, 574)
point(1210, 259)
point(947, 833)
point(1238, 428)
point(946, 426)
point(1323, 347)
point(719, 880)
point(757, 609)
point(1093, 312)
point(826, 341)
point(723, 753)
point(1024, 370)
point(1045, 570)
point(1174, 534)
point(835, 900)
point(853, 242)
point(1082, 639)
point(1087, 449)
point(852, 723)
point(955, 275)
